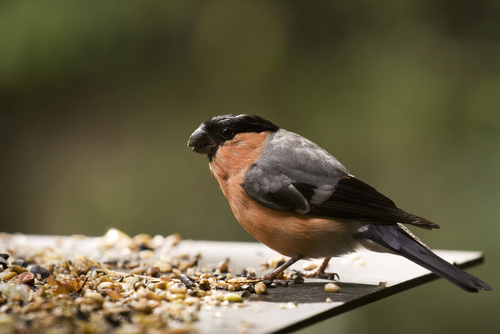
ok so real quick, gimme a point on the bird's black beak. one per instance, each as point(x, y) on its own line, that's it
point(200, 141)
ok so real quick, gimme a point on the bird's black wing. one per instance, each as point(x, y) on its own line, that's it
point(294, 174)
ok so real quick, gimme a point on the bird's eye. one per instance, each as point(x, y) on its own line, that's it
point(226, 133)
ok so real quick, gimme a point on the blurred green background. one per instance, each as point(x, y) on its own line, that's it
point(97, 101)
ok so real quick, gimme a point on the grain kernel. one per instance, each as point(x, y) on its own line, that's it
point(223, 266)
point(176, 289)
point(8, 276)
point(138, 271)
point(233, 297)
point(105, 279)
point(332, 287)
point(191, 300)
point(166, 279)
point(222, 284)
point(105, 285)
point(176, 272)
point(260, 288)
point(17, 269)
point(152, 271)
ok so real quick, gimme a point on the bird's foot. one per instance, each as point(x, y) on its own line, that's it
point(320, 272)
point(276, 276)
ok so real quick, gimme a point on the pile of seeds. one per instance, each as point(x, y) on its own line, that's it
point(130, 285)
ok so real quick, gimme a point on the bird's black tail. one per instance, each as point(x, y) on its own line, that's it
point(403, 242)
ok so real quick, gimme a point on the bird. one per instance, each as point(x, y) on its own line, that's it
point(299, 200)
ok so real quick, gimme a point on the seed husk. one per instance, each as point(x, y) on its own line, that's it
point(16, 268)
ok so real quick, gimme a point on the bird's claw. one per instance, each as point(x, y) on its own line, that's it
point(331, 276)
point(320, 274)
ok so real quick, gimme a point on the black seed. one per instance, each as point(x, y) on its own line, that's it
point(4, 256)
point(3, 263)
point(248, 287)
point(184, 279)
point(144, 247)
point(20, 263)
point(38, 270)
point(298, 279)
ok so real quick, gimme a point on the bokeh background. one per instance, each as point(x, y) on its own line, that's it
point(97, 101)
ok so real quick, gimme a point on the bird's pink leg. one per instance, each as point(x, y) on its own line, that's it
point(320, 271)
point(271, 276)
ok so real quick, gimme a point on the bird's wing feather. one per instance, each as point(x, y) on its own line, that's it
point(295, 174)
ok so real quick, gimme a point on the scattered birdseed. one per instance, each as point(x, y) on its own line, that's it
point(27, 278)
point(223, 267)
point(40, 272)
point(332, 287)
point(260, 288)
point(138, 287)
point(233, 297)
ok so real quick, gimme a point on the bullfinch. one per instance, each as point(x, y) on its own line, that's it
point(300, 201)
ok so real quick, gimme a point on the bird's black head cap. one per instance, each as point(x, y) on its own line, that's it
point(237, 123)
point(215, 131)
